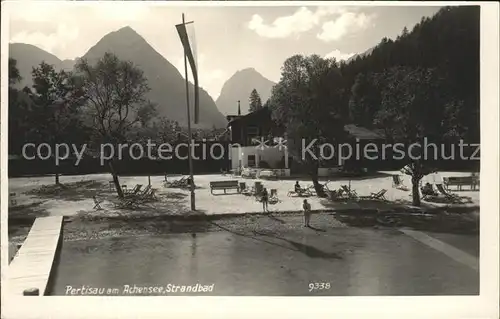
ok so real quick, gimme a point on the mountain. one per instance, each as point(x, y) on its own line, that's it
point(238, 88)
point(68, 64)
point(166, 83)
point(361, 55)
point(29, 56)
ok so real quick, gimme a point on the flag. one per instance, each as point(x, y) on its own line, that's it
point(188, 51)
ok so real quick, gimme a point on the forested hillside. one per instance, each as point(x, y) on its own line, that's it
point(446, 46)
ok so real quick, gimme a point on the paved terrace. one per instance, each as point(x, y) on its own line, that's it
point(39, 196)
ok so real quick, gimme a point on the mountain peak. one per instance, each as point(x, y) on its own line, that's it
point(125, 41)
point(248, 70)
point(238, 88)
point(124, 33)
point(127, 30)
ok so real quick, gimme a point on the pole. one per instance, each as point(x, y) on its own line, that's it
point(191, 186)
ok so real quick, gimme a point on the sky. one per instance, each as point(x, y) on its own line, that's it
point(228, 38)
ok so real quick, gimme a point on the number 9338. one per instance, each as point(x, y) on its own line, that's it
point(319, 286)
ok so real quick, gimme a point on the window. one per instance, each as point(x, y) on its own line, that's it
point(252, 132)
point(251, 161)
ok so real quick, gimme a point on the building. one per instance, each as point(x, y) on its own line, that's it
point(257, 142)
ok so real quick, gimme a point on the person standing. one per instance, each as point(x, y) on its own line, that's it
point(307, 212)
point(265, 200)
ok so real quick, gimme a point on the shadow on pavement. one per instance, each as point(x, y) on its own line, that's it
point(281, 221)
point(312, 252)
point(308, 250)
point(318, 229)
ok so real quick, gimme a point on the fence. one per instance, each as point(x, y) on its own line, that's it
point(205, 164)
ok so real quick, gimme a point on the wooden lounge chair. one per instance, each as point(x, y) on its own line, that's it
point(177, 183)
point(380, 195)
point(249, 192)
point(131, 202)
point(450, 196)
point(97, 203)
point(135, 190)
point(349, 192)
point(273, 198)
point(306, 192)
point(135, 200)
point(336, 195)
point(397, 182)
point(13, 200)
point(426, 194)
point(245, 190)
point(151, 195)
point(145, 192)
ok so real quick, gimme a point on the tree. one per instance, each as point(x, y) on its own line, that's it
point(448, 41)
point(56, 103)
point(115, 90)
point(364, 100)
point(412, 108)
point(14, 75)
point(146, 113)
point(306, 102)
point(19, 105)
point(255, 102)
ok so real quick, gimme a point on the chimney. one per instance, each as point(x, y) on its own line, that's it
point(239, 108)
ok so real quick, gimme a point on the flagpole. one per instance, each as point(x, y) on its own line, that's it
point(190, 159)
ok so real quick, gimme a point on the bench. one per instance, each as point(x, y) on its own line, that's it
point(472, 181)
point(224, 185)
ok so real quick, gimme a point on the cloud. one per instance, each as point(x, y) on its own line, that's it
point(69, 28)
point(339, 55)
point(54, 42)
point(346, 23)
point(302, 20)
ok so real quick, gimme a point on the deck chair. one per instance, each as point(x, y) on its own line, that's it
point(378, 195)
point(244, 190)
point(130, 202)
point(249, 191)
point(449, 196)
point(151, 195)
point(349, 192)
point(13, 200)
point(97, 203)
point(335, 195)
point(302, 192)
point(145, 192)
point(273, 198)
point(426, 194)
point(135, 190)
point(397, 182)
point(175, 183)
point(134, 200)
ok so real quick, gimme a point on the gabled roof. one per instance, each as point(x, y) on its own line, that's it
point(251, 115)
point(353, 130)
point(362, 133)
